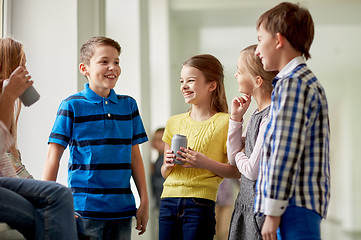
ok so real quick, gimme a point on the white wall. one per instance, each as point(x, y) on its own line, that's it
point(50, 39)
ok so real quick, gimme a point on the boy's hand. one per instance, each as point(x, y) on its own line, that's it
point(17, 83)
point(142, 217)
point(193, 158)
point(239, 107)
point(270, 226)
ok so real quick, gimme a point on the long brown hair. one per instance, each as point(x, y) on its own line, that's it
point(212, 70)
point(11, 56)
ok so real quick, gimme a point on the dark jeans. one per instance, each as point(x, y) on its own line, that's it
point(119, 229)
point(37, 209)
point(186, 219)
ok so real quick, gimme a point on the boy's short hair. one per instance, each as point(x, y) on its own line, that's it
point(293, 22)
point(87, 49)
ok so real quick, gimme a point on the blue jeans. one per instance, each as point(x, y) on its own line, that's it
point(298, 223)
point(119, 229)
point(37, 209)
point(186, 218)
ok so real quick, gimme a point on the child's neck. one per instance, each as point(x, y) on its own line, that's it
point(263, 99)
point(200, 114)
point(288, 55)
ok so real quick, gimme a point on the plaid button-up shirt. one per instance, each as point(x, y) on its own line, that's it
point(295, 162)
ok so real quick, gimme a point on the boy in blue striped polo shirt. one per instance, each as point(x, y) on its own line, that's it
point(293, 188)
point(103, 131)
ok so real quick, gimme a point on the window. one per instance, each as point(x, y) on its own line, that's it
point(2, 18)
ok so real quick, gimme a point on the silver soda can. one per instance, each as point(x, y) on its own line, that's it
point(177, 142)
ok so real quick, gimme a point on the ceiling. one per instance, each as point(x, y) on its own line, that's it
point(205, 13)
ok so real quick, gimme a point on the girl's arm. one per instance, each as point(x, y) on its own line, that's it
point(51, 168)
point(168, 161)
point(138, 175)
point(235, 140)
point(199, 160)
point(249, 166)
point(18, 82)
point(6, 167)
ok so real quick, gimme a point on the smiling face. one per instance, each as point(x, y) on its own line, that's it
point(194, 87)
point(103, 70)
point(267, 49)
point(244, 77)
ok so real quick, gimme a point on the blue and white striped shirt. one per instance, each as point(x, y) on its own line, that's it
point(295, 163)
point(100, 133)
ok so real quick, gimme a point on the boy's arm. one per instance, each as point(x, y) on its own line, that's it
point(55, 151)
point(138, 174)
point(270, 226)
point(286, 145)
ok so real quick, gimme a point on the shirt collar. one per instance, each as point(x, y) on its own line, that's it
point(289, 68)
point(95, 98)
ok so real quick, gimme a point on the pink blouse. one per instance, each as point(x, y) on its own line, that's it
point(235, 148)
point(6, 140)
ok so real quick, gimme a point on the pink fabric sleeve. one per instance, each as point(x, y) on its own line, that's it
point(249, 166)
point(6, 168)
point(235, 141)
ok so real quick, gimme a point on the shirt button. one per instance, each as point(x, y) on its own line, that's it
point(108, 114)
point(106, 102)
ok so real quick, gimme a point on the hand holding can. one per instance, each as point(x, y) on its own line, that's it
point(178, 141)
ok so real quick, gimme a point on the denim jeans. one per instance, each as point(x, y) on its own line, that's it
point(186, 219)
point(119, 229)
point(298, 223)
point(37, 209)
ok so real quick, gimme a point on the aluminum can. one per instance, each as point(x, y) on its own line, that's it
point(177, 142)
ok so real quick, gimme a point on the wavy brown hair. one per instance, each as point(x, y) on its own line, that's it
point(11, 56)
point(212, 70)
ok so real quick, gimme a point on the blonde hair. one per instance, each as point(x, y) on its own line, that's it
point(255, 67)
point(212, 70)
point(11, 56)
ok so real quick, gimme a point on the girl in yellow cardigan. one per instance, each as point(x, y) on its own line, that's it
point(189, 192)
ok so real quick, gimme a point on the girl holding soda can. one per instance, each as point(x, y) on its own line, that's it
point(187, 209)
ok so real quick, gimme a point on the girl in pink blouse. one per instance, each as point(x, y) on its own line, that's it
point(244, 150)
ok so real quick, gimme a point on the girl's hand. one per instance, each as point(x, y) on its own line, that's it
point(239, 107)
point(168, 163)
point(18, 82)
point(193, 159)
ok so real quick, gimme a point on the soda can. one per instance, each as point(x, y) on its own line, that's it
point(178, 141)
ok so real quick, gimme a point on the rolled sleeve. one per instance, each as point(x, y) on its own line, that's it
point(275, 207)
